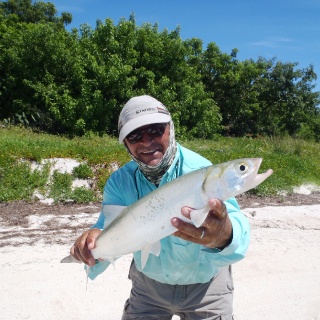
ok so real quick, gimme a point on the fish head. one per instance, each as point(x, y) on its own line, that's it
point(232, 178)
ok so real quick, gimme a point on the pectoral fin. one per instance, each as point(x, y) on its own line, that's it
point(199, 215)
point(145, 255)
point(154, 248)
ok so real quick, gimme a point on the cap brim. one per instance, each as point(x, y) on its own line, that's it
point(142, 121)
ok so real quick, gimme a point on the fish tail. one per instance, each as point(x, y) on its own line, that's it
point(70, 259)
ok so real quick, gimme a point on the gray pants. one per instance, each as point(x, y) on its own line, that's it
point(150, 299)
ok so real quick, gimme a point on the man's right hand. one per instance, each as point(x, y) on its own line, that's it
point(81, 250)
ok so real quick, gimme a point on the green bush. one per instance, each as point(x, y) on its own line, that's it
point(83, 171)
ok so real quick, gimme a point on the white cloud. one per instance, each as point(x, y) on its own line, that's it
point(272, 42)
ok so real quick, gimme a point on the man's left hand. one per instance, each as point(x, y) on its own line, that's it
point(216, 230)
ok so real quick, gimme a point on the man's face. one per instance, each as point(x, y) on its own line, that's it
point(148, 144)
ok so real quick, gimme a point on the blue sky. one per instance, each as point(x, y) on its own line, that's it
point(286, 29)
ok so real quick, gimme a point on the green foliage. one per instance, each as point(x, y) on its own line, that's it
point(18, 181)
point(61, 190)
point(262, 97)
point(83, 171)
point(75, 83)
point(294, 161)
point(26, 11)
point(83, 195)
point(60, 187)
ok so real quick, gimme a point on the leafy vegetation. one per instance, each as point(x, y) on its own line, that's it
point(294, 161)
point(60, 189)
point(83, 171)
point(21, 147)
point(75, 83)
point(72, 85)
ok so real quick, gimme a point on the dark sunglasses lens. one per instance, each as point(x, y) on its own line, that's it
point(156, 130)
point(134, 137)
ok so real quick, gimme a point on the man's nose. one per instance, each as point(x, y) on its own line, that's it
point(146, 137)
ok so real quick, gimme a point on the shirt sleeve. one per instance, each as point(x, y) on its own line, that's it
point(111, 200)
point(111, 196)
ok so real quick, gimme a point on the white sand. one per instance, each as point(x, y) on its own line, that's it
point(278, 280)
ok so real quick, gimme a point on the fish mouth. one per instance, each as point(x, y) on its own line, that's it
point(261, 176)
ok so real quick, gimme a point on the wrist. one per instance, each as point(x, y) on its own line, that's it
point(224, 238)
point(226, 244)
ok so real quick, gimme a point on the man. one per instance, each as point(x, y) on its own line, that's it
point(192, 275)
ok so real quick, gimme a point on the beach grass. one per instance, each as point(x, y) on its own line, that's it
point(295, 162)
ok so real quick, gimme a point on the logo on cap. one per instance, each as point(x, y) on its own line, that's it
point(162, 110)
point(145, 110)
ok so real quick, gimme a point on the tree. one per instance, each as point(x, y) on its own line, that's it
point(231, 84)
point(33, 12)
point(40, 67)
point(259, 97)
point(287, 99)
point(76, 82)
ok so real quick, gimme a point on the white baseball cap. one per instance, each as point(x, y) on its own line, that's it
point(140, 111)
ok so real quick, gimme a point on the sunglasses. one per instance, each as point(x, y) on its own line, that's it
point(155, 130)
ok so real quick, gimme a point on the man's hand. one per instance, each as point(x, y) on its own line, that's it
point(216, 230)
point(82, 246)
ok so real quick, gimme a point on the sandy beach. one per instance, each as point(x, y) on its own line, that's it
point(279, 278)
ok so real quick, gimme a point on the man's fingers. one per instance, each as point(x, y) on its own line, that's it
point(186, 230)
point(185, 211)
point(73, 253)
point(86, 242)
point(80, 254)
point(92, 237)
point(218, 208)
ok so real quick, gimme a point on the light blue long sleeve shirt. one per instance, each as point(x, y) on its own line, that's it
point(180, 262)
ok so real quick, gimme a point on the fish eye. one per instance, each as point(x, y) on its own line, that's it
point(242, 168)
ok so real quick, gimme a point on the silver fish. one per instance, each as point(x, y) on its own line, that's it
point(142, 225)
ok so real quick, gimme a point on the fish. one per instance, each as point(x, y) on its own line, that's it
point(143, 224)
